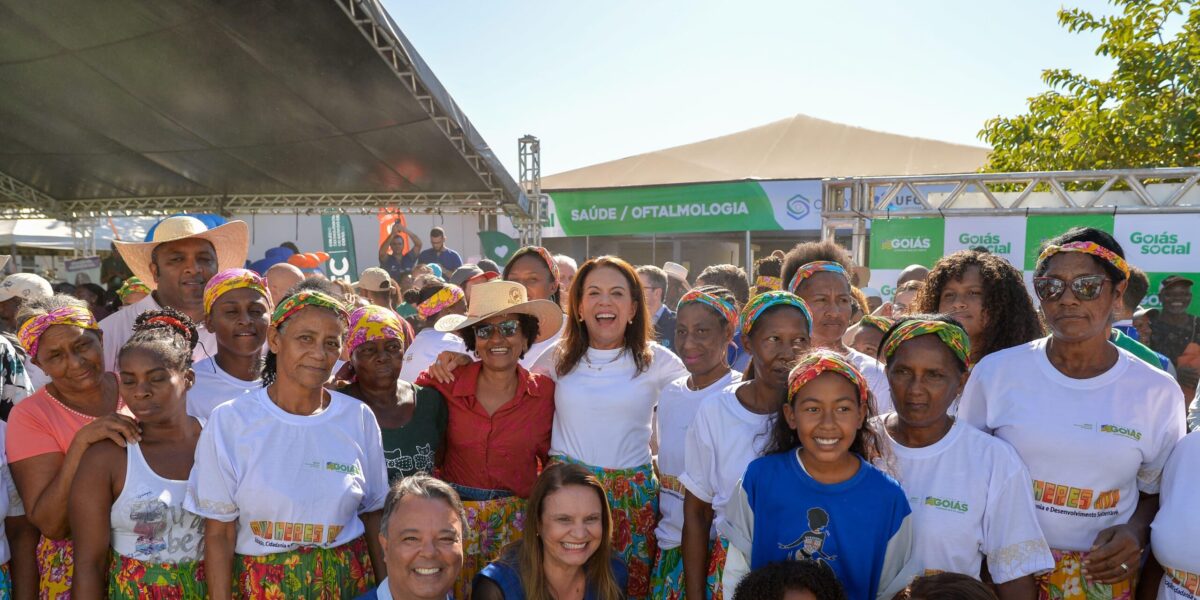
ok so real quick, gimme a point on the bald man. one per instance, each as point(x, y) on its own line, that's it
point(280, 278)
point(912, 273)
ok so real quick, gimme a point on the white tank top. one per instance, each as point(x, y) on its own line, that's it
point(148, 520)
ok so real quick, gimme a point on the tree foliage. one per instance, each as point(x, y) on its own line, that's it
point(1147, 114)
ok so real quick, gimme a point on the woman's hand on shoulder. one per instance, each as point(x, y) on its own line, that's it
point(122, 430)
point(447, 361)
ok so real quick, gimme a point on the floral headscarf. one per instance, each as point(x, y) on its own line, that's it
point(232, 279)
point(370, 323)
point(768, 300)
point(809, 269)
point(1087, 248)
point(294, 303)
point(30, 333)
point(723, 308)
point(952, 335)
point(825, 361)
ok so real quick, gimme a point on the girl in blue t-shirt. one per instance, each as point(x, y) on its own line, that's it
point(814, 494)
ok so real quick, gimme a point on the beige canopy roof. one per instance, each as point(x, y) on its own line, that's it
point(800, 147)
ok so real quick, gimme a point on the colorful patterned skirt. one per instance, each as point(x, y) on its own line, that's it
point(1066, 581)
point(312, 573)
point(132, 579)
point(494, 520)
point(633, 499)
point(56, 566)
point(716, 568)
point(5, 582)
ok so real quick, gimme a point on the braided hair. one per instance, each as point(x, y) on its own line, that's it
point(775, 580)
point(167, 333)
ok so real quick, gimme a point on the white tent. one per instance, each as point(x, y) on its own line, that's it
point(58, 236)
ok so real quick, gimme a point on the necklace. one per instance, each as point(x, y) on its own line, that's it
point(588, 361)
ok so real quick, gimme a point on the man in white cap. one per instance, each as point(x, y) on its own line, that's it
point(375, 285)
point(15, 376)
point(180, 259)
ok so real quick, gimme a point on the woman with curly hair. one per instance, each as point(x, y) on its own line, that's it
point(987, 295)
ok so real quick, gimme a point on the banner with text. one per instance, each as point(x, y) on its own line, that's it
point(338, 236)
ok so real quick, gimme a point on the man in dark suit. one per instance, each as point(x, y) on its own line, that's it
point(654, 286)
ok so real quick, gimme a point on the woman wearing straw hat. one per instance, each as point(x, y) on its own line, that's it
point(501, 415)
point(176, 264)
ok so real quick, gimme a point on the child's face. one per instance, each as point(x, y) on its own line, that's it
point(826, 414)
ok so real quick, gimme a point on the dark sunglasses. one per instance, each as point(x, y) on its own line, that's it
point(507, 329)
point(1087, 287)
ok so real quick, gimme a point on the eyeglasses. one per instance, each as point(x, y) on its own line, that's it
point(506, 328)
point(1085, 288)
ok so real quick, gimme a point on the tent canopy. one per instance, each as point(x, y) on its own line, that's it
point(800, 147)
point(158, 106)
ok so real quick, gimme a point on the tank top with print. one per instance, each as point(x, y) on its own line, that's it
point(148, 520)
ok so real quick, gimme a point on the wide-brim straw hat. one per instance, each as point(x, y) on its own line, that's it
point(505, 297)
point(231, 242)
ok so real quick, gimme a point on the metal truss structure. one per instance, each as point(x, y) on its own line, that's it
point(849, 203)
point(529, 150)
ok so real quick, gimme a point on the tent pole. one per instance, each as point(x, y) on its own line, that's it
point(749, 257)
point(654, 248)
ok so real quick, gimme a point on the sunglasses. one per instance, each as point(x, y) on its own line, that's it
point(507, 329)
point(1087, 287)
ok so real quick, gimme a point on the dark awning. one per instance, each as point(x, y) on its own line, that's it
point(152, 106)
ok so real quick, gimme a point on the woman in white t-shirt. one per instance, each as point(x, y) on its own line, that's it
point(437, 299)
point(732, 427)
point(969, 491)
point(129, 499)
point(703, 332)
point(1176, 528)
point(1093, 423)
point(816, 272)
point(534, 268)
point(237, 310)
point(291, 478)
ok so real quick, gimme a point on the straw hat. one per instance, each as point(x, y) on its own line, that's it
point(231, 242)
point(504, 297)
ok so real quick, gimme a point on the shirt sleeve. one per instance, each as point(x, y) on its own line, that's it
point(213, 483)
point(1012, 539)
point(28, 435)
point(374, 467)
point(667, 367)
point(546, 363)
point(1193, 416)
point(892, 575)
point(738, 526)
point(699, 470)
point(1172, 429)
point(16, 508)
point(972, 406)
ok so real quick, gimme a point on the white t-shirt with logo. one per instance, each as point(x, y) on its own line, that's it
point(214, 387)
point(424, 350)
point(288, 480)
point(1175, 533)
point(677, 407)
point(723, 439)
point(603, 408)
point(876, 378)
point(1090, 444)
point(969, 494)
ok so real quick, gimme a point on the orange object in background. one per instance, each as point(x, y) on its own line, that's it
point(387, 218)
point(308, 260)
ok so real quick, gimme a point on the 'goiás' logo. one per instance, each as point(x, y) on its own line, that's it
point(946, 504)
point(991, 241)
point(909, 243)
point(1128, 432)
point(341, 468)
point(1159, 243)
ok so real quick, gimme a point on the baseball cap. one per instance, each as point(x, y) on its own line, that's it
point(676, 269)
point(1175, 280)
point(1143, 311)
point(871, 292)
point(465, 272)
point(26, 286)
point(375, 279)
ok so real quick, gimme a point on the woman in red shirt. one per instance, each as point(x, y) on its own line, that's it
point(498, 435)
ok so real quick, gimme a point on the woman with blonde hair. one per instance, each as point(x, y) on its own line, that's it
point(566, 551)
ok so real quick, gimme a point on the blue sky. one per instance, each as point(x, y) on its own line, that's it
point(598, 81)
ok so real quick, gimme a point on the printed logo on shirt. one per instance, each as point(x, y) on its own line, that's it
point(1183, 582)
point(1083, 499)
point(270, 533)
point(811, 544)
point(340, 468)
point(946, 504)
point(396, 460)
point(1128, 432)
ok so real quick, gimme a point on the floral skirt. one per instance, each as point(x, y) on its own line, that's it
point(5, 582)
point(1066, 581)
point(56, 565)
point(131, 579)
point(311, 573)
point(491, 525)
point(633, 499)
point(716, 568)
point(666, 581)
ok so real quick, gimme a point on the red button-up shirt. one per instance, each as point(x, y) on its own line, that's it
point(501, 451)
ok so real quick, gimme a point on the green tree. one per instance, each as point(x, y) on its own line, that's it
point(1147, 114)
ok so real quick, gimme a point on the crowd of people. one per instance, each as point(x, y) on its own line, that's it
point(599, 430)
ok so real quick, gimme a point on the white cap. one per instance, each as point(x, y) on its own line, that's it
point(871, 292)
point(676, 269)
point(26, 286)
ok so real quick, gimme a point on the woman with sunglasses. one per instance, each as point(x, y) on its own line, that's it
point(535, 268)
point(500, 416)
point(1093, 423)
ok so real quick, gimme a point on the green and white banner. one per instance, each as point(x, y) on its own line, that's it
point(338, 236)
point(1160, 245)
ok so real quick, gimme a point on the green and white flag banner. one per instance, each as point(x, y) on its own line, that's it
point(1159, 244)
